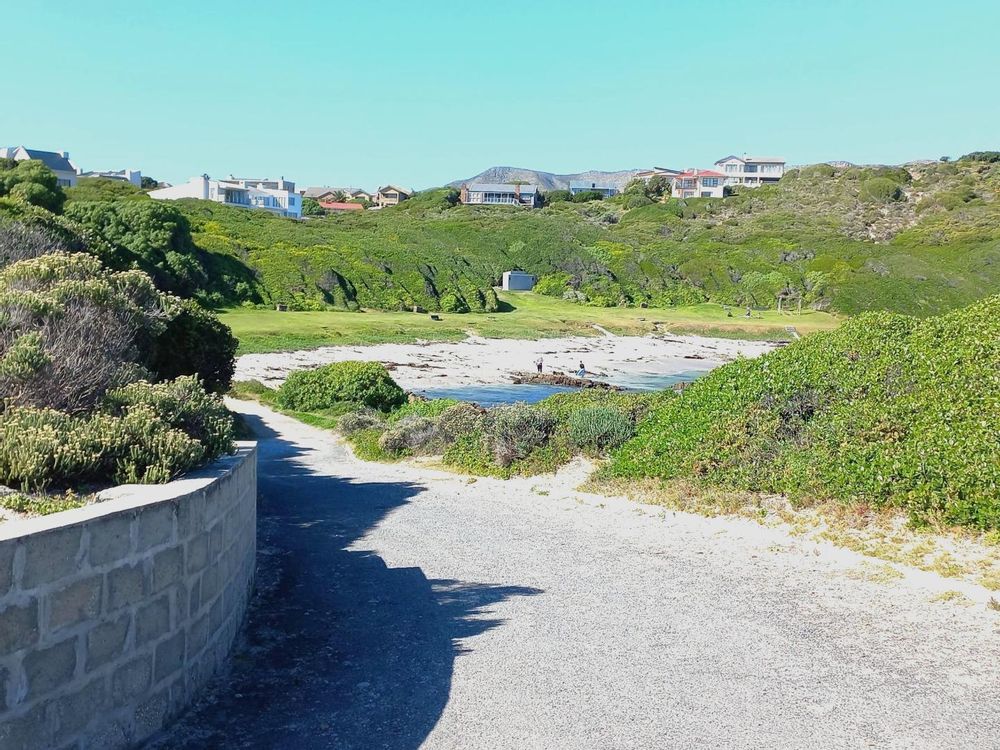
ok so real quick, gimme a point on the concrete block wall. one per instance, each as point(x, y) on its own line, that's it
point(114, 615)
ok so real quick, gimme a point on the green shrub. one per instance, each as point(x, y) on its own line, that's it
point(182, 404)
point(365, 383)
point(458, 420)
point(195, 342)
point(880, 190)
point(364, 419)
point(886, 410)
point(42, 447)
point(599, 428)
point(412, 435)
point(511, 432)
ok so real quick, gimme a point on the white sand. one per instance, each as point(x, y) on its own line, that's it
point(479, 361)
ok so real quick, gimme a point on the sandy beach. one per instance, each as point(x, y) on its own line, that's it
point(480, 361)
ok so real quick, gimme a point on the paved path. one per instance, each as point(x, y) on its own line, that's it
point(400, 608)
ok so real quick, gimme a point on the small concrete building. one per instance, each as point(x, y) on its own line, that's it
point(518, 281)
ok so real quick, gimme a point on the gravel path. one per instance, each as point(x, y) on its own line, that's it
point(400, 607)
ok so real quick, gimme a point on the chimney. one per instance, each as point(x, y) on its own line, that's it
point(64, 154)
point(517, 192)
point(463, 194)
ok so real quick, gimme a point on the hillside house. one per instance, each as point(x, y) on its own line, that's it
point(496, 194)
point(698, 183)
point(518, 281)
point(339, 207)
point(391, 195)
point(751, 171)
point(331, 193)
point(277, 196)
point(647, 174)
point(583, 186)
point(131, 176)
point(58, 161)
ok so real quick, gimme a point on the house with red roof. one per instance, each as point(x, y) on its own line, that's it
point(337, 207)
point(698, 183)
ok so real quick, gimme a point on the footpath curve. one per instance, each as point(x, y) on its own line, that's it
point(399, 607)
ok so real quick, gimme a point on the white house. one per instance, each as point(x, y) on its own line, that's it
point(57, 161)
point(751, 171)
point(133, 176)
point(583, 186)
point(276, 196)
point(496, 194)
point(698, 183)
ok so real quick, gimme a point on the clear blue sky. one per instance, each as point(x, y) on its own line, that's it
point(422, 92)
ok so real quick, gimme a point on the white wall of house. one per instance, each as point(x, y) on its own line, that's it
point(750, 171)
point(697, 186)
point(240, 193)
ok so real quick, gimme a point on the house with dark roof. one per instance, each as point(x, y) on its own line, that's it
point(500, 194)
point(583, 186)
point(751, 171)
point(58, 161)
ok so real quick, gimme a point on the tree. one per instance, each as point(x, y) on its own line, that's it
point(32, 182)
point(148, 183)
point(311, 207)
point(585, 196)
point(556, 196)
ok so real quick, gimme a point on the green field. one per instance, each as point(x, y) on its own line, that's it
point(528, 316)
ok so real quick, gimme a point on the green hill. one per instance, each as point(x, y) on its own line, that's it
point(916, 240)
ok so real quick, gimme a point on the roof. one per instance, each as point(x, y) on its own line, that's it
point(496, 187)
point(397, 188)
point(335, 206)
point(699, 173)
point(753, 159)
point(54, 161)
point(591, 185)
point(316, 192)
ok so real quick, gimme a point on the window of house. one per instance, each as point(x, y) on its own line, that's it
point(731, 168)
point(750, 168)
point(706, 193)
point(710, 182)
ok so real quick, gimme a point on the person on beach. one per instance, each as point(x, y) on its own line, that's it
point(538, 365)
point(582, 372)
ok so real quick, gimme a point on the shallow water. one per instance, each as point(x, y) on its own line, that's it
point(508, 393)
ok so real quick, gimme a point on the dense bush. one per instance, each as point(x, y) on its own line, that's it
point(195, 342)
point(599, 428)
point(367, 383)
point(42, 448)
point(413, 434)
point(512, 432)
point(363, 419)
point(70, 330)
point(32, 182)
point(458, 420)
point(182, 404)
point(886, 410)
point(880, 190)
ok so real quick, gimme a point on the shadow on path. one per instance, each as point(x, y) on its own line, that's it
point(339, 651)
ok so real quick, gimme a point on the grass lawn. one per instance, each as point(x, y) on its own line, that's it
point(531, 316)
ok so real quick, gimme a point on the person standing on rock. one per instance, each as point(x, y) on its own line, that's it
point(538, 365)
point(582, 372)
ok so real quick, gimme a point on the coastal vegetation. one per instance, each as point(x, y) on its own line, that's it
point(103, 376)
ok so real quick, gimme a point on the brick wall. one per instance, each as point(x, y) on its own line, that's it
point(112, 616)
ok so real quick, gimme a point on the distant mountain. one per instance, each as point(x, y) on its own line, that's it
point(548, 180)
